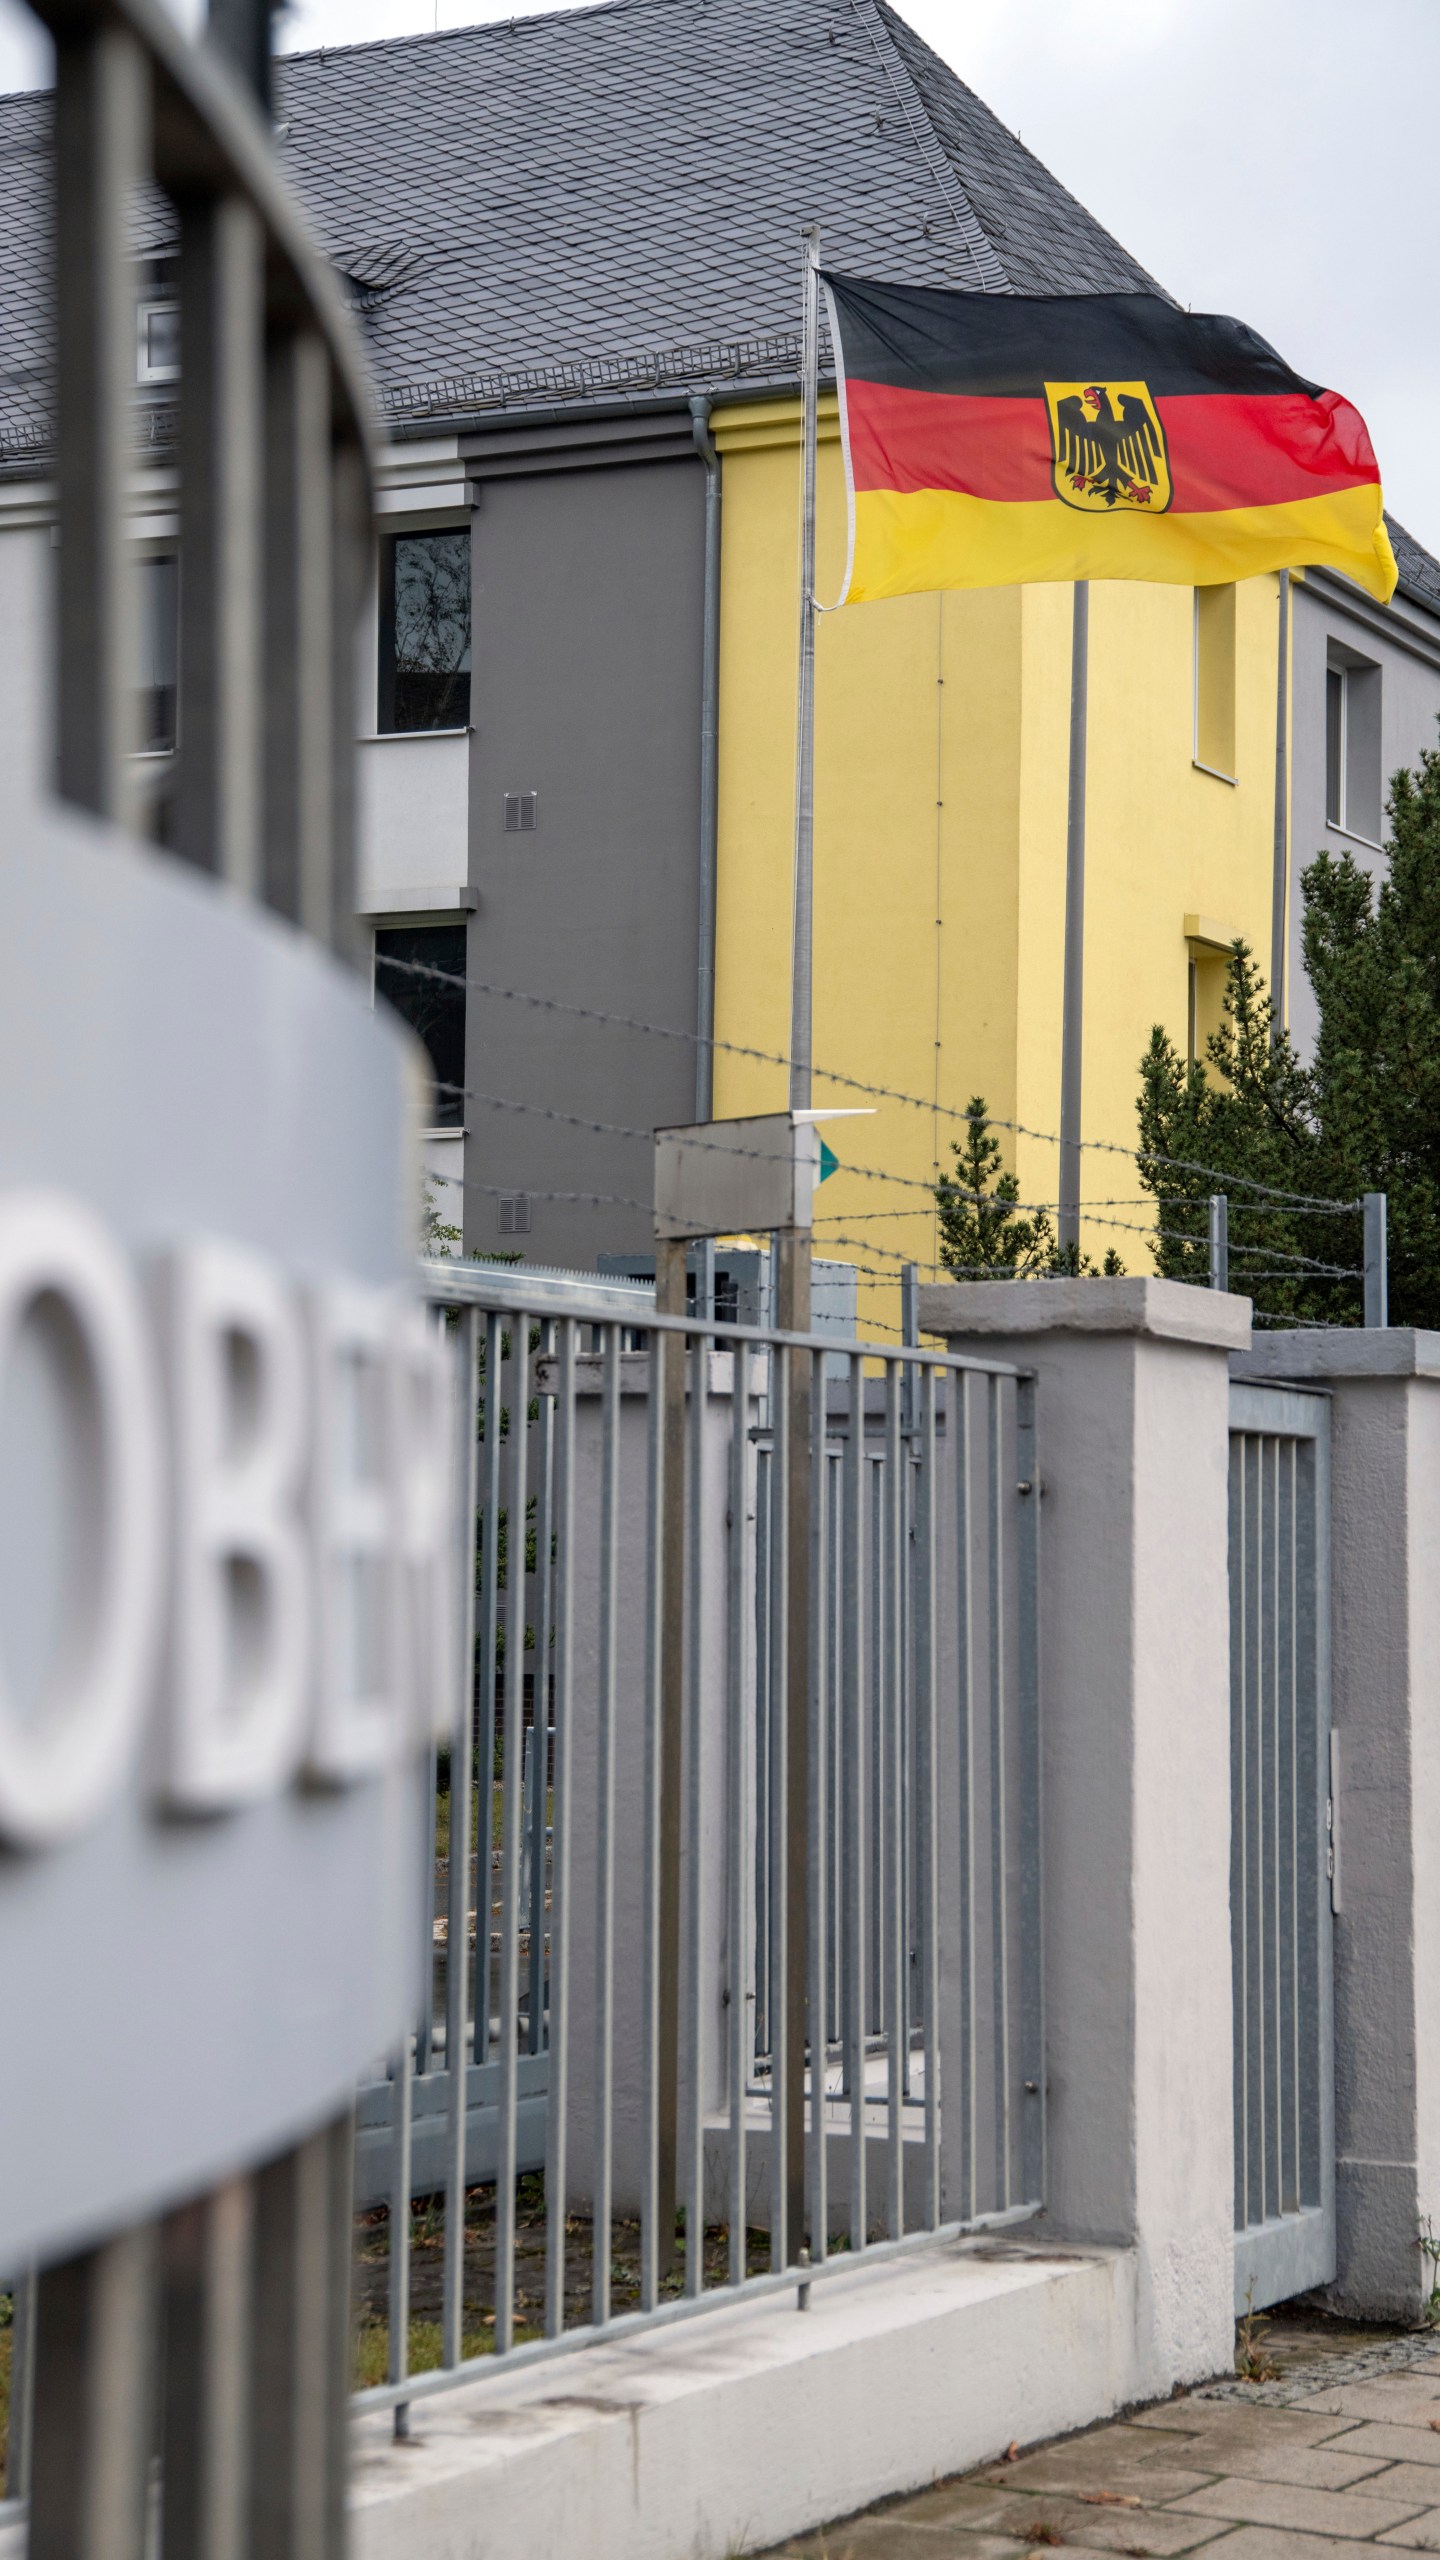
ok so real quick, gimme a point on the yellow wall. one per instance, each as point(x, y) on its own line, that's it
point(941, 753)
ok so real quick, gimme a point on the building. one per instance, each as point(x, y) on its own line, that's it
point(573, 243)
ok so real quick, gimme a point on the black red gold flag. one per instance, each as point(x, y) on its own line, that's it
point(992, 439)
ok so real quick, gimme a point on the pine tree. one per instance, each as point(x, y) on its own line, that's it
point(982, 1233)
point(1374, 962)
point(1244, 1122)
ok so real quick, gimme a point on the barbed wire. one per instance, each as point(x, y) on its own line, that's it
point(618, 1129)
point(853, 1084)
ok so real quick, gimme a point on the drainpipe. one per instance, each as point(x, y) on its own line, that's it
point(709, 758)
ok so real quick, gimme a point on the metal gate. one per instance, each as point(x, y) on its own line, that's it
point(1281, 1843)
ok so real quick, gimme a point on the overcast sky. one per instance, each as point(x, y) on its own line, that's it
point(1271, 158)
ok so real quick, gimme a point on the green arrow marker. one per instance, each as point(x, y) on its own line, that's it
point(829, 1162)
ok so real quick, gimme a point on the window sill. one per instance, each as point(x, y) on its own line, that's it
point(407, 737)
point(449, 1131)
point(1354, 836)
point(1215, 773)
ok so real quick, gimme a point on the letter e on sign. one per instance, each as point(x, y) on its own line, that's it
point(70, 1312)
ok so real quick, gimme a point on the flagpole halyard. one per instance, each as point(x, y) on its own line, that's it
point(802, 930)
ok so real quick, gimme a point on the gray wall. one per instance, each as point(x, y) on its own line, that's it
point(588, 603)
point(1403, 640)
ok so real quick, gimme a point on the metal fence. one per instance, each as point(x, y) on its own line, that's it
point(611, 1947)
point(1281, 1855)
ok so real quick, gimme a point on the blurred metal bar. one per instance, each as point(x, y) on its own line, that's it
point(542, 1720)
point(219, 799)
point(603, 2111)
point(20, 2413)
point(93, 2427)
point(241, 31)
point(486, 1726)
point(1377, 1260)
point(457, 1939)
point(558, 2108)
point(102, 106)
point(293, 2343)
point(693, 2112)
point(351, 527)
point(776, 1846)
point(1032, 1893)
point(793, 1282)
point(299, 597)
point(967, 2098)
point(818, 1933)
point(653, 1817)
point(402, 2082)
point(927, 1779)
point(853, 1759)
point(205, 2340)
point(1219, 1240)
point(999, 1791)
point(739, 1969)
point(512, 1806)
point(891, 1705)
point(670, 1294)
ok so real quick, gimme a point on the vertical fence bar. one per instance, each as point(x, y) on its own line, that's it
point(558, 2088)
point(457, 1947)
point(1219, 1240)
point(1027, 1681)
point(781, 2245)
point(738, 1805)
point(891, 1706)
point(1239, 1951)
point(512, 1806)
point(764, 1657)
point(94, 2418)
point(653, 1817)
point(22, 2388)
point(603, 2114)
point(219, 796)
point(856, 1844)
point(818, 1933)
point(541, 1718)
point(397, 2363)
point(967, 2099)
point(927, 1789)
point(999, 1805)
point(497, 1337)
point(207, 2254)
point(1377, 1259)
point(102, 107)
point(693, 2112)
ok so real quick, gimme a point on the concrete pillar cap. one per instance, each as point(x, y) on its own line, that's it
point(1338, 1352)
point(1170, 1310)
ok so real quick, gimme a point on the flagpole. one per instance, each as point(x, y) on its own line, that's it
point(801, 948)
point(1072, 1020)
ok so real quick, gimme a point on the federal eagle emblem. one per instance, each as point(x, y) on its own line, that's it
point(1108, 447)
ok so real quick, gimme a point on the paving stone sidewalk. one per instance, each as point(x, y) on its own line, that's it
point(1336, 2452)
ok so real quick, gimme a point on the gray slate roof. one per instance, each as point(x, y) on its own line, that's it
point(607, 201)
point(629, 181)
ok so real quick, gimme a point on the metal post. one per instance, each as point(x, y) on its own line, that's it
point(1280, 885)
point(794, 1317)
point(94, 2424)
point(1072, 1031)
point(801, 956)
point(910, 1336)
point(1377, 1275)
point(671, 1257)
point(207, 2250)
point(1219, 1240)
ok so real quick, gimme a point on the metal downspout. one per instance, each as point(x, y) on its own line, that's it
point(709, 762)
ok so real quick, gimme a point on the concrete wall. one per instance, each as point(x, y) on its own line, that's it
point(588, 604)
point(1404, 642)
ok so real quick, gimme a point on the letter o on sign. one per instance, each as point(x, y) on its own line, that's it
point(62, 1756)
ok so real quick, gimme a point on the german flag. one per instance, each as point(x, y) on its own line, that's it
point(992, 439)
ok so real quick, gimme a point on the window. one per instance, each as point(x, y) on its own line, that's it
point(157, 351)
point(424, 631)
point(1214, 747)
point(1353, 763)
point(159, 652)
point(433, 1005)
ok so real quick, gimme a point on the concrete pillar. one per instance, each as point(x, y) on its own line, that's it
point(1385, 1703)
point(1135, 1718)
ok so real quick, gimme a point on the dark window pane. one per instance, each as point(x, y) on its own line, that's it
point(425, 631)
point(159, 652)
point(434, 1007)
point(1335, 746)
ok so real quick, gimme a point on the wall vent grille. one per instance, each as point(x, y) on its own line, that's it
point(515, 1213)
point(521, 812)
